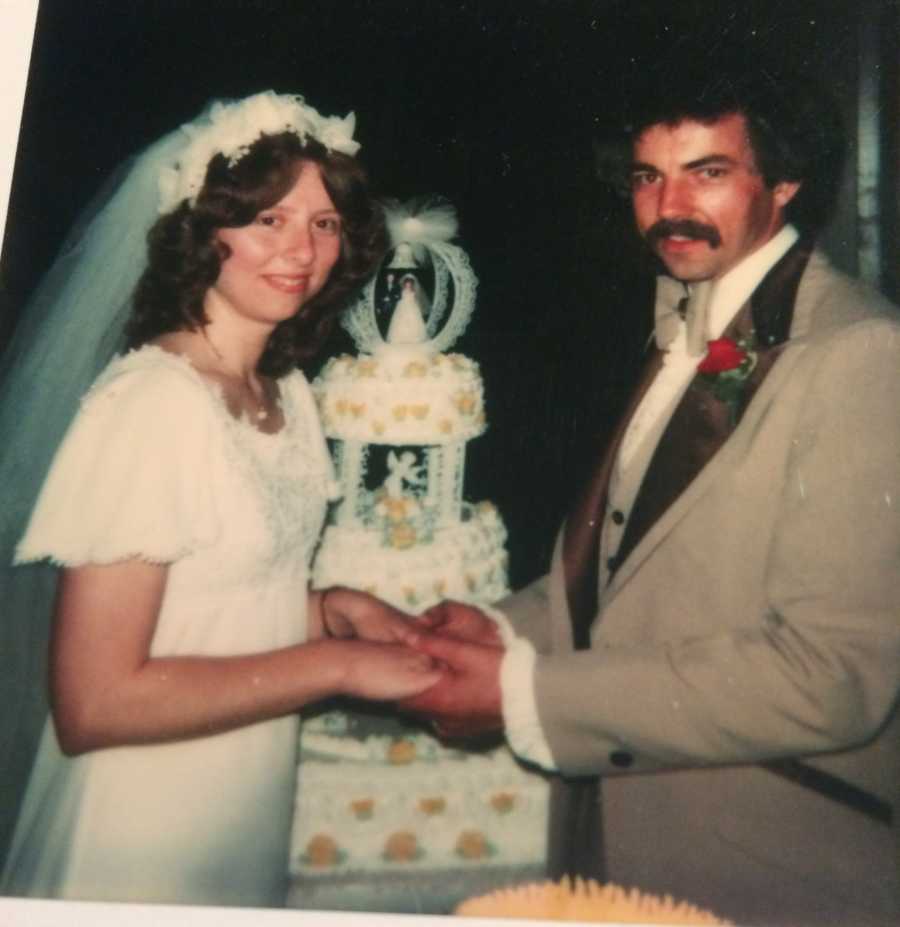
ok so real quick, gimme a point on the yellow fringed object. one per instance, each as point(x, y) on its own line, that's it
point(585, 900)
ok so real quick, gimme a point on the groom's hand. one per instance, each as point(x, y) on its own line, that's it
point(464, 622)
point(466, 700)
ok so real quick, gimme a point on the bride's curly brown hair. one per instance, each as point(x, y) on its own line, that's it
point(185, 257)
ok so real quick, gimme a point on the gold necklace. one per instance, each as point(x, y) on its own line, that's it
point(258, 409)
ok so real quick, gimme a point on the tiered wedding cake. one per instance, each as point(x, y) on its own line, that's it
point(399, 416)
point(388, 818)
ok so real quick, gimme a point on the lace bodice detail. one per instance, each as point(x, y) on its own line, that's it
point(156, 467)
point(280, 469)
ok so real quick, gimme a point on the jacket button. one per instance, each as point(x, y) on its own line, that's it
point(618, 517)
point(621, 758)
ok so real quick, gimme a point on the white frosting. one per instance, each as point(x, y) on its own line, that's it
point(393, 804)
point(401, 398)
point(465, 561)
point(412, 540)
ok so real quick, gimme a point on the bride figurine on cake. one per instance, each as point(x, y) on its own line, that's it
point(182, 508)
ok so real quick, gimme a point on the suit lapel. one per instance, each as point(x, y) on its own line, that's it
point(702, 423)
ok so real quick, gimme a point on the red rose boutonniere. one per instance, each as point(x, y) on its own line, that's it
point(726, 368)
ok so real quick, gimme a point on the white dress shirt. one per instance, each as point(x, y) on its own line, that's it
point(728, 294)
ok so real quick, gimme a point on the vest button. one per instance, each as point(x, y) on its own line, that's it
point(621, 758)
point(618, 517)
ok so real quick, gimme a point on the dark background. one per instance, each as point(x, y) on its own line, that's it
point(492, 104)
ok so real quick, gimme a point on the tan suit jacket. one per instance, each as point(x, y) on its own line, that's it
point(757, 618)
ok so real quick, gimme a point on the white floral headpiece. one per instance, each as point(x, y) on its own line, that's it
point(233, 127)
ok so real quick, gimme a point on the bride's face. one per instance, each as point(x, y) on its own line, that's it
point(283, 258)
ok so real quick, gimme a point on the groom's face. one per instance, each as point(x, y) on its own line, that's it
point(699, 200)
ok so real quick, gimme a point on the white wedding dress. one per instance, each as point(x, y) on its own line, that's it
point(155, 467)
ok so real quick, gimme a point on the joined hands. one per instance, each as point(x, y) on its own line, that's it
point(372, 640)
point(443, 666)
point(466, 700)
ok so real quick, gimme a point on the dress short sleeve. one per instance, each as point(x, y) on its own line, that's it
point(132, 477)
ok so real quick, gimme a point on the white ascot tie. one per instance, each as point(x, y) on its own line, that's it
point(671, 295)
point(697, 318)
point(683, 342)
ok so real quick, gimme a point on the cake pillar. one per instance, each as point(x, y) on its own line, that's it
point(350, 460)
point(449, 480)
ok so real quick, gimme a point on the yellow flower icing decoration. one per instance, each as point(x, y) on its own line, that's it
point(366, 368)
point(363, 808)
point(465, 402)
point(432, 806)
point(401, 752)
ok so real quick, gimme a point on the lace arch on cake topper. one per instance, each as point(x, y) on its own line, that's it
point(425, 226)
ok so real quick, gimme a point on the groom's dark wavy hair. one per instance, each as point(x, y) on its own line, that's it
point(185, 257)
point(793, 123)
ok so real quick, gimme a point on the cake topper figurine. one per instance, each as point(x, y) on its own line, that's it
point(420, 232)
point(407, 325)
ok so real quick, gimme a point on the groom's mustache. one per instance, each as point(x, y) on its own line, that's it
point(687, 228)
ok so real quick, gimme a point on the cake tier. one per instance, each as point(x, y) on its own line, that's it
point(394, 804)
point(403, 398)
point(466, 561)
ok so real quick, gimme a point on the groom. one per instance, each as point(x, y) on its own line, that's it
point(718, 638)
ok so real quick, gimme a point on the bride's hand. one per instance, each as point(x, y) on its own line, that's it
point(386, 672)
point(340, 612)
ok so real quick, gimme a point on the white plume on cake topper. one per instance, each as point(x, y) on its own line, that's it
point(420, 222)
point(426, 225)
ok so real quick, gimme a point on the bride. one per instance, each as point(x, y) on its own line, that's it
point(183, 507)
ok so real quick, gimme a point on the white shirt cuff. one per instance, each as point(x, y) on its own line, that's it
point(520, 717)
